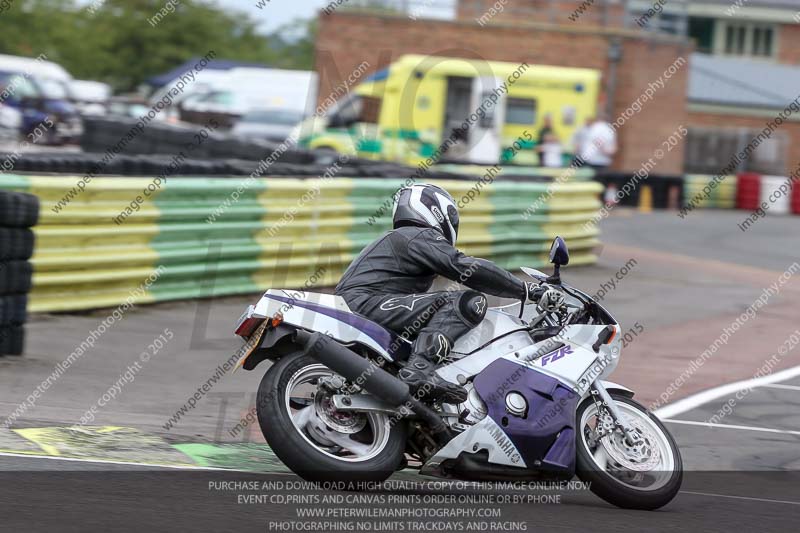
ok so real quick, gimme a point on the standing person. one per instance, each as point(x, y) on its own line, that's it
point(551, 152)
point(547, 129)
point(600, 146)
point(579, 140)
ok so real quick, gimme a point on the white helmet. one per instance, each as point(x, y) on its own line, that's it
point(428, 206)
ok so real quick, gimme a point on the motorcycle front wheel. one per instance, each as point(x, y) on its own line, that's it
point(643, 474)
point(316, 441)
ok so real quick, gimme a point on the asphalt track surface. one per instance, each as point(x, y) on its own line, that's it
point(691, 279)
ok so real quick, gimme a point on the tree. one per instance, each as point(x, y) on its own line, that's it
point(124, 42)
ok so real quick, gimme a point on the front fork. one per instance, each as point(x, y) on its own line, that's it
point(603, 399)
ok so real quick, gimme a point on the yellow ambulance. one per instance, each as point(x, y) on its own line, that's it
point(428, 108)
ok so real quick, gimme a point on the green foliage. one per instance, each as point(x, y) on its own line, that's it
point(121, 43)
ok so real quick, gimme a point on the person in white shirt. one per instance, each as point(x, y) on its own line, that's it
point(551, 151)
point(579, 140)
point(600, 144)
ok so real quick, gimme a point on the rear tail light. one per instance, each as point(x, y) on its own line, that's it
point(247, 327)
point(248, 322)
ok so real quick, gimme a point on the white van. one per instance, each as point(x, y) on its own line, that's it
point(247, 89)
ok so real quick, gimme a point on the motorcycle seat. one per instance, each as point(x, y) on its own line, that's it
point(335, 306)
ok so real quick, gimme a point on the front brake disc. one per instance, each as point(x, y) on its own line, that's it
point(642, 456)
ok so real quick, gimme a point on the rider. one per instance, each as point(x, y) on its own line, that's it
point(389, 280)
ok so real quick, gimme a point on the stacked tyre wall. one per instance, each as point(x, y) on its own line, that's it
point(18, 212)
point(205, 237)
point(721, 196)
point(749, 191)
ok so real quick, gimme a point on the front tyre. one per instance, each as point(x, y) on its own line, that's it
point(316, 441)
point(644, 475)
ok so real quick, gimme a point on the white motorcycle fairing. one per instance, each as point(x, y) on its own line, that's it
point(328, 314)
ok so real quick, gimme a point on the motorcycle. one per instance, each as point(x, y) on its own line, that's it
point(539, 407)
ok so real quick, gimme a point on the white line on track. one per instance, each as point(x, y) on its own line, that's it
point(785, 502)
point(783, 387)
point(730, 426)
point(696, 400)
point(131, 463)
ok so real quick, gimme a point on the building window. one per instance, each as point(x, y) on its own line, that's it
point(735, 40)
point(762, 42)
point(745, 39)
point(520, 111)
point(701, 29)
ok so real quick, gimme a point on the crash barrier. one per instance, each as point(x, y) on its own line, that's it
point(18, 212)
point(776, 192)
point(526, 173)
point(796, 200)
point(101, 164)
point(208, 237)
point(748, 191)
point(132, 137)
point(652, 191)
point(721, 195)
point(777, 195)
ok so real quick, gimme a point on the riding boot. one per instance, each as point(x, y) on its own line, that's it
point(419, 373)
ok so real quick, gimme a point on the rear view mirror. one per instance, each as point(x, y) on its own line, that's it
point(559, 254)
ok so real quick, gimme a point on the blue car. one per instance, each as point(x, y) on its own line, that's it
point(39, 100)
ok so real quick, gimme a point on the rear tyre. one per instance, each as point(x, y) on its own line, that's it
point(645, 476)
point(314, 440)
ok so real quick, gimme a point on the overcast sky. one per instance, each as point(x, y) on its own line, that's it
point(276, 12)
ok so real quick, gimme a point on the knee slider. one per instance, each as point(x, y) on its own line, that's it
point(472, 306)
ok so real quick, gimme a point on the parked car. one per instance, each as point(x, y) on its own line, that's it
point(39, 101)
point(241, 90)
point(127, 106)
point(270, 124)
point(10, 123)
point(39, 89)
point(91, 97)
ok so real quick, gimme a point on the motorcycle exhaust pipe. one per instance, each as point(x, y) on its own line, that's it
point(373, 379)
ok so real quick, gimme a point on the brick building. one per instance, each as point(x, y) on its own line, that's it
point(629, 41)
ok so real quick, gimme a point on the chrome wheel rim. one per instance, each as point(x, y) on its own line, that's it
point(348, 437)
point(647, 464)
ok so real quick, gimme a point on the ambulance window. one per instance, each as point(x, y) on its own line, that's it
point(345, 112)
point(370, 110)
point(521, 111)
point(568, 113)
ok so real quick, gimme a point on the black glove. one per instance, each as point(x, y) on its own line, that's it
point(534, 291)
point(551, 300)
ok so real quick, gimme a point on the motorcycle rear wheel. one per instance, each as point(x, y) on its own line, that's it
point(645, 476)
point(314, 440)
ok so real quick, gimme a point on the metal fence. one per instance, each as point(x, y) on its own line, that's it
point(670, 17)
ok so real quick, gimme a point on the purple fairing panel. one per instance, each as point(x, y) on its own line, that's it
point(547, 433)
point(385, 338)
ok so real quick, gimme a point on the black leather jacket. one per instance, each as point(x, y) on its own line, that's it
point(406, 261)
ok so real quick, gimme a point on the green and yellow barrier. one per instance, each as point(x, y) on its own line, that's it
point(206, 237)
point(723, 194)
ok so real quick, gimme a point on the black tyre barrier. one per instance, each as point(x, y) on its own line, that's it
point(13, 310)
point(625, 189)
point(18, 210)
point(80, 164)
point(12, 340)
point(15, 277)
point(103, 133)
point(18, 213)
point(15, 243)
